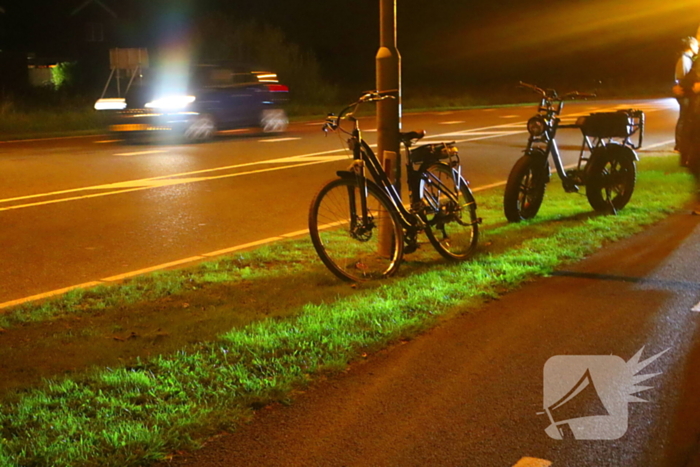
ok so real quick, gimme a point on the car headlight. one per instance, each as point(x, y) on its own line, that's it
point(170, 102)
point(110, 104)
point(536, 126)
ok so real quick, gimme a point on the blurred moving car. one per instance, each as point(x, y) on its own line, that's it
point(197, 103)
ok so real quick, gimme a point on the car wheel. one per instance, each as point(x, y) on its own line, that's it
point(201, 129)
point(273, 120)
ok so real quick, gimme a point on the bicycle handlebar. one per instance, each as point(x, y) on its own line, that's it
point(552, 95)
point(538, 90)
point(333, 121)
point(372, 96)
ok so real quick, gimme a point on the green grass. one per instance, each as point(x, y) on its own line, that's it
point(45, 123)
point(144, 410)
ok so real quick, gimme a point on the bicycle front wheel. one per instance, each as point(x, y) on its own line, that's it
point(525, 188)
point(356, 246)
point(450, 213)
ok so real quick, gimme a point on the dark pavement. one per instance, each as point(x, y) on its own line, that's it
point(470, 392)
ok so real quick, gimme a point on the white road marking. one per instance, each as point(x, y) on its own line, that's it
point(486, 187)
point(510, 116)
point(505, 133)
point(312, 158)
point(477, 133)
point(277, 140)
point(107, 141)
point(147, 181)
point(518, 125)
point(696, 308)
point(532, 462)
point(457, 122)
point(653, 146)
point(139, 153)
point(131, 186)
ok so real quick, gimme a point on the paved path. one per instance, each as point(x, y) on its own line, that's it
point(470, 392)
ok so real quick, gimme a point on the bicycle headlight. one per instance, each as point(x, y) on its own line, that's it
point(536, 125)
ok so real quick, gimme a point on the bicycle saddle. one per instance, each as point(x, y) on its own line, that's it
point(408, 137)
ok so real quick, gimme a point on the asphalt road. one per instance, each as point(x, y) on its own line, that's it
point(82, 211)
point(473, 391)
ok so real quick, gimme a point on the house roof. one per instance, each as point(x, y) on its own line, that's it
point(98, 2)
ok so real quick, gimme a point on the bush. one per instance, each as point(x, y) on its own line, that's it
point(63, 75)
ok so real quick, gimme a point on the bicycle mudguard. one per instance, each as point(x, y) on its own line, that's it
point(616, 149)
point(540, 155)
point(537, 153)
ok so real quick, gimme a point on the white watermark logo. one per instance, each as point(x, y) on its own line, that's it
point(587, 396)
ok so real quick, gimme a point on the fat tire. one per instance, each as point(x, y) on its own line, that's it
point(351, 252)
point(525, 188)
point(610, 181)
point(452, 229)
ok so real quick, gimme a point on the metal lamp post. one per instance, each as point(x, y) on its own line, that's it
point(388, 62)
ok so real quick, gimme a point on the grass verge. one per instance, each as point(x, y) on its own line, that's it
point(142, 411)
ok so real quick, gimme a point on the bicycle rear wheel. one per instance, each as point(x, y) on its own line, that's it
point(349, 245)
point(611, 180)
point(450, 213)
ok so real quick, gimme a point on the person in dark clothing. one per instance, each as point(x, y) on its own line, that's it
point(683, 67)
point(689, 144)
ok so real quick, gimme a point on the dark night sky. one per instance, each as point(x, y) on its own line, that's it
point(455, 42)
point(477, 41)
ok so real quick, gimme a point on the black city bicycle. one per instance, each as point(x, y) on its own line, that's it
point(360, 226)
point(606, 164)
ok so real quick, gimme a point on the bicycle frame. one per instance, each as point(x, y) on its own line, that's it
point(383, 228)
point(548, 113)
point(365, 159)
